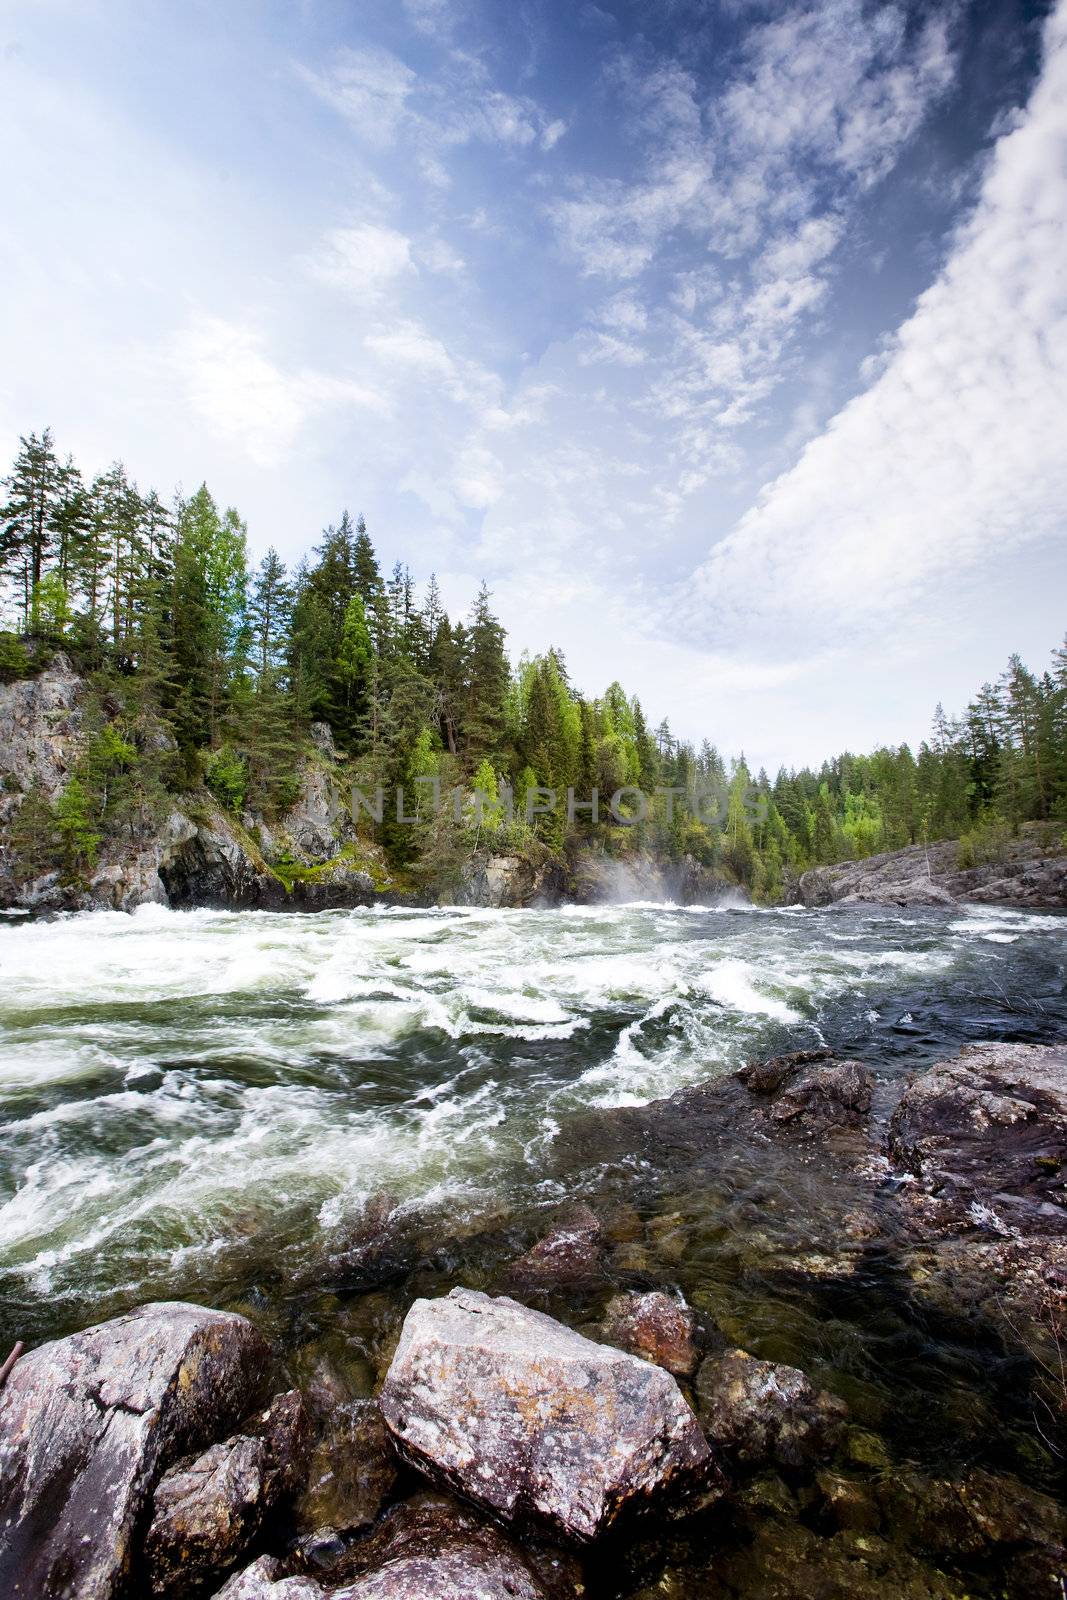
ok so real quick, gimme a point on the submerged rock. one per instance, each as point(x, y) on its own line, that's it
point(353, 1470)
point(655, 1327)
point(567, 1257)
point(207, 1511)
point(88, 1423)
point(760, 1412)
point(537, 1424)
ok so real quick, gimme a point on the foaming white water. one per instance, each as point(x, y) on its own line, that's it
point(177, 1086)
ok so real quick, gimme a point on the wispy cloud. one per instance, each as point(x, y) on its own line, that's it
point(955, 451)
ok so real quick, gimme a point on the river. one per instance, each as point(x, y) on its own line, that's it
point(184, 1094)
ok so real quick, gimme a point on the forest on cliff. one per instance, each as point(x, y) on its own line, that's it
point(208, 671)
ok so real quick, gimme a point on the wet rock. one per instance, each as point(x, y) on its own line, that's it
point(205, 1515)
point(821, 1096)
point(207, 1511)
point(982, 1143)
point(353, 1470)
point(286, 1432)
point(537, 1424)
point(760, 1411)
point(265, 1580)
point(567, 1257)
point(88, 1423)
point(1031, 871)
point(990, 1129)
point(656, 1327)
point(434, 1549)
point(807, 1101)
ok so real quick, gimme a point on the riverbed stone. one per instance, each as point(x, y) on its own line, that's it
point(759, 1412)
point(207, 1511)
point(353, 1470)
point(266, 1580)
point(88, 1423)
point(656, 1327)
point(537, 1424)
point(567, 1257)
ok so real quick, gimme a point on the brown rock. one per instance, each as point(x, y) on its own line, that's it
point(760, 1411)
point(655, 1327)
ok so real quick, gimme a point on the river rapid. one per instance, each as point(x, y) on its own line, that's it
point(184, 1094)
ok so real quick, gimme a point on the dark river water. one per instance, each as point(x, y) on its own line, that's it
point(204, 1105)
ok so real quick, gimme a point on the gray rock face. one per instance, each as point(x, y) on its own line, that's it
point(40, 725)
point(88, 1423)
point(537, 1424)
point(206, 1512)
point(761, 1411)
point(1028, 875)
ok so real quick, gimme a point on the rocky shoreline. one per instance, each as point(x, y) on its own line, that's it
point(570, 1424)
point(313, 859)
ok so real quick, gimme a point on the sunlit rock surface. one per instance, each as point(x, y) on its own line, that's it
point(536, 1423)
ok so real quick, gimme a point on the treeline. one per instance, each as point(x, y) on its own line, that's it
point(206, 670)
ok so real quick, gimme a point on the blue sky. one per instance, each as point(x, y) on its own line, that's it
point(728, 342)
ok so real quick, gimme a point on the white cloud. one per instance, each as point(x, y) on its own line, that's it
point(233, 385)
point(369, 87)
point(955, 453)
point(362, 260)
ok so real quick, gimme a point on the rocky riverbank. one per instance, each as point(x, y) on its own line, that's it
point(1028, 871)
point(196, 852)
point(540, 1410)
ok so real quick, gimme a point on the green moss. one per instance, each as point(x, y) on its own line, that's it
point(351, 858)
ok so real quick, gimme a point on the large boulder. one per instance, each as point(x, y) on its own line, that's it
point(537, 1424)
point(87, 1425)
